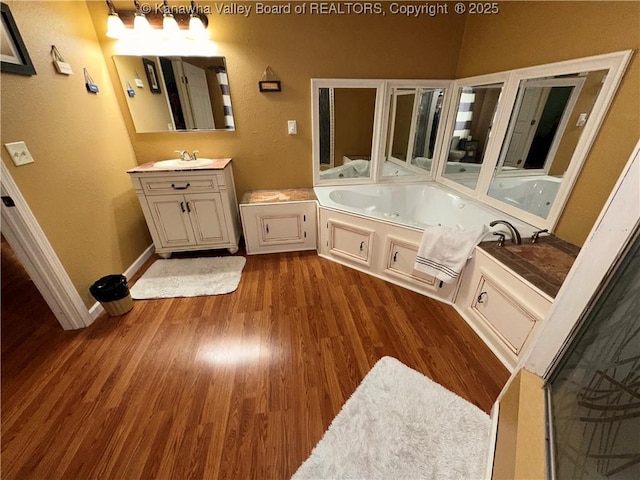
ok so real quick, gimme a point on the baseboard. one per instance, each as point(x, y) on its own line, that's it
point(96, 309)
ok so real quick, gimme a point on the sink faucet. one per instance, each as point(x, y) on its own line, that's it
point(184, 155)
point(515, 235)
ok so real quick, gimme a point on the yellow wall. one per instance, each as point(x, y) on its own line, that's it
point(533, 33)
point(297, 48)
point(77, 188)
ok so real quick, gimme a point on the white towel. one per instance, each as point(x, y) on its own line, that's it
point(444, 251)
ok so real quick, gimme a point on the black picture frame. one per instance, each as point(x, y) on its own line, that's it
point(270, 86)
point(14, 57)
point(151, 70)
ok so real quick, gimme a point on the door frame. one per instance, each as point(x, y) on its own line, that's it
point(30, 244)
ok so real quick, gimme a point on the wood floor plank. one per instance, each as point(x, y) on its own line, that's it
point(236, 386)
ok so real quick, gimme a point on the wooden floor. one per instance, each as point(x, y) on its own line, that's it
point(233, 386)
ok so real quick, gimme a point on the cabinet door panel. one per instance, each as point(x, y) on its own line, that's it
point(401, 259)
point(350, 242)
point(505, 314)
point(207, 217)
point(171, 220)
point(286, 228)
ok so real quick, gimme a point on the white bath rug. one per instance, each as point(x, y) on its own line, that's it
point(189, 277)
point(398, 424)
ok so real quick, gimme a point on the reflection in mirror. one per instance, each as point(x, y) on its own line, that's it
point(544, 130)
point(346, 122)
point(176, 93)
point(476, 112)
point(414, 118)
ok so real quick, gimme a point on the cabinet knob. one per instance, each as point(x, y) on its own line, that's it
point(481, 297)
point(362, 246)
point(188, 208)
point(395, 255)
point(267, 228)
point(173, 185)
point(182, 207)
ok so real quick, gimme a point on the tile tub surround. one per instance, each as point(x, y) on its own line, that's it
point(218, 164)
point(545, 264)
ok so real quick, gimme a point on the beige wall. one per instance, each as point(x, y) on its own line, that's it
point(534, 33)
point(297, 48)
point(354, 116)
point(77, 187)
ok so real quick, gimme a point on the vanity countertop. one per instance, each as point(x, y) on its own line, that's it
point(278, 196)
point(218, 164)
point(545, 263)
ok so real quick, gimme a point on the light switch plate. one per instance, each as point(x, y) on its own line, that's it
point(19, 153)
point(292, 127)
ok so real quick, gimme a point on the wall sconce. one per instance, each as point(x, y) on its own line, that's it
point(170, 22)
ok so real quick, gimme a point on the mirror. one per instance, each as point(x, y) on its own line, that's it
point(414, 119)
point(345, 127)
point(474, 118)
point(176, 93)
point(545, 127)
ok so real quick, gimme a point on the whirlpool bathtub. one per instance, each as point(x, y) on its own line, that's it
point(414, 205)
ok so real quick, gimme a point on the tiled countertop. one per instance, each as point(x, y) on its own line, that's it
point(218, 164)
point(545, 264)
point(278, 196)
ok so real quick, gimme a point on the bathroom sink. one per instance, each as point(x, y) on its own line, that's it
point(176, 163)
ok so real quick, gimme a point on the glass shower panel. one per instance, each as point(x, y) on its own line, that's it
point(594, 392)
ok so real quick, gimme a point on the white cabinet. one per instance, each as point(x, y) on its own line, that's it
point(279, 220)
point(194, 209)
point(385, 250)
point(500, 306)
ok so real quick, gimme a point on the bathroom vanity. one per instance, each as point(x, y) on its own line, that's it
point(188, 205)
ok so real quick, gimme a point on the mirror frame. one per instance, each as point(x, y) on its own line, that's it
point(316, 85)
point(446, 85)
point(615, 62)
point(156, 57)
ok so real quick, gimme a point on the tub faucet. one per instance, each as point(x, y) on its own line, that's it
point(515, 235)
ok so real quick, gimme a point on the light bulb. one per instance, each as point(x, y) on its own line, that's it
point(115, 27)
point(169, 24)
point(197, 29)
point(140, 23)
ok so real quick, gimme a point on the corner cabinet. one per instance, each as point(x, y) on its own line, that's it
point(504, 309)
point(189, 209)
point(277, 221)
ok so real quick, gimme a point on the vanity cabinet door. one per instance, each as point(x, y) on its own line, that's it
point(171, 220)
point(207, 218)
point(401, 257)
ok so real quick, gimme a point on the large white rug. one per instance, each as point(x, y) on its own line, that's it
point(189, 277)
point(398, 424)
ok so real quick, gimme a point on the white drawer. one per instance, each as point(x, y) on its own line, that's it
point(182, 184)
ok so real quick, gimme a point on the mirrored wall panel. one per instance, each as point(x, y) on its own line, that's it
point(166, 94)
point(346, 117)
point(414, 119)
point(544, 129)
point(474, 119)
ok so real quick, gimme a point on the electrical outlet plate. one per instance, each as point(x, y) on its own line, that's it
point(19, 153)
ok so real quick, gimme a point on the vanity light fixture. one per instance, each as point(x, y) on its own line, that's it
point(140, 22)
point(197, 29)
point(171, 22)
point(115, 26)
